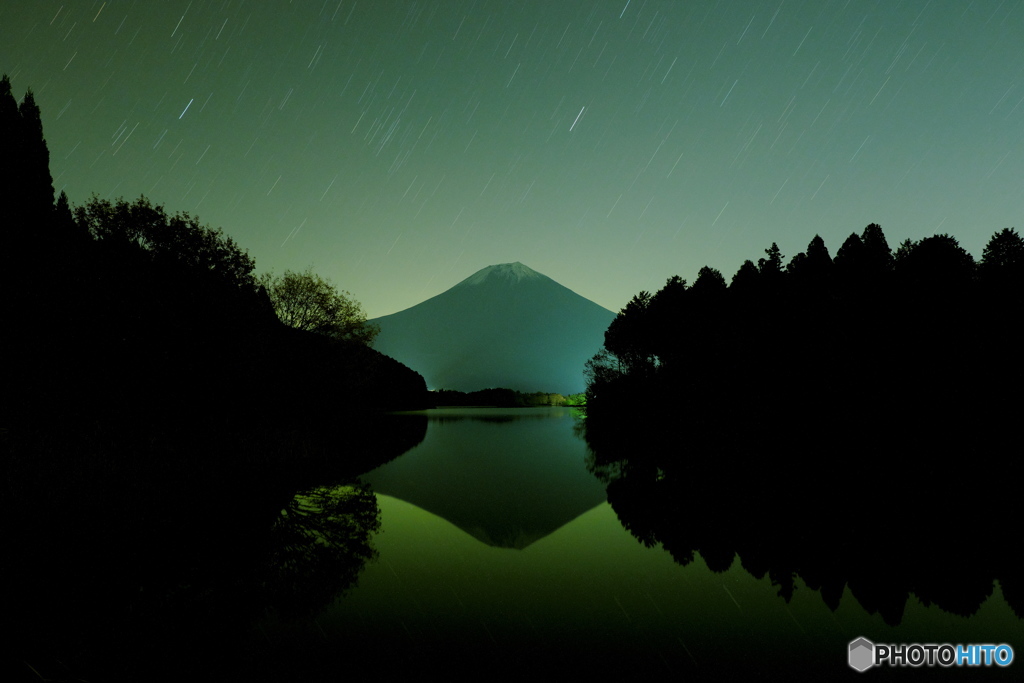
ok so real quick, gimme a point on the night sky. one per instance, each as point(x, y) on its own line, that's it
point(398, 147)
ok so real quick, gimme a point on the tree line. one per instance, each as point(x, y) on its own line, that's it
point(496, 397)
point(913, 343)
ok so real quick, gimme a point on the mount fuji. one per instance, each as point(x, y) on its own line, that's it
point(504, 326)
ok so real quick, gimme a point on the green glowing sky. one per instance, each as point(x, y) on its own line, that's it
point(401, 146)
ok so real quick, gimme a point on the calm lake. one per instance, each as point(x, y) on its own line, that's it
point(498, 555)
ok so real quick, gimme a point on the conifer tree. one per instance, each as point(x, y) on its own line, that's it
point(10, 150)
point(771, 267)
point(878, 259)
point(817, 254)
point(849, 261)
point(35, 165)
point(709, 282)
point(26, 187)
point(1003, 255)
point(746, 279)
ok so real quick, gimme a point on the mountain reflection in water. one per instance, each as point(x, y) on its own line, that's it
point(490, 546)
point(506, 477)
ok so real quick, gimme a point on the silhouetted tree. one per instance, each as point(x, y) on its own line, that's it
point(797, 263)
point(307, 301)
point(806, 338)
point(37, 182)
point(8, 107)
point(175, 241)
point(818, 254)
point(667, 319)
point(708, 334)
point(747, 279)
point(1003, 258)
point(627, 355)
point(66, 231)
point(710, 282)
point(10, 148)
point(771, 268)
point(628, 338)
point(903, 251)
point(811, 270)
point(936, 264)
point(601, 372)
point(26, 188)
point(878, 258)
point(34, 263)
point(849, 262)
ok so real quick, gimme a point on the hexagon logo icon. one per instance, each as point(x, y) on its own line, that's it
point(862, 654)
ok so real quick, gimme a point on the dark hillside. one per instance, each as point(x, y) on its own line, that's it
point(156, 420)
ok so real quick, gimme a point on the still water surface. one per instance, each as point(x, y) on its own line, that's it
point(498, 553)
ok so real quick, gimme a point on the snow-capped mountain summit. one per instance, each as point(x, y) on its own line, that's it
point(504, 272)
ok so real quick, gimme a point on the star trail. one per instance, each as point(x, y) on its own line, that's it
point(400, 146)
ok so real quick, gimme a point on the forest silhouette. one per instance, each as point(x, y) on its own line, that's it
point(870, 349)
point(152, 396)
point(846, 420)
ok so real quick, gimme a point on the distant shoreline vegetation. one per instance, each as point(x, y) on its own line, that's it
point(502, 398)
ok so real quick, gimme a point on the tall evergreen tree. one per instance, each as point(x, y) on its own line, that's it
point(849, 261)
point(850, 269)
point(668, 319)
point(818, 252)
point(878, 259)
point(819, 263)
point(878, 264)
point(1003, 256)
point(747, 279)
point(628, 337)
point(797, 265)
point(709, 283)
point(35, 164)
point(26, 187)
point(812, 269)
point(10, 153)
point(771, 267)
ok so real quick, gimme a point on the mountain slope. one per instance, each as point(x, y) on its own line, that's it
point(504, 326)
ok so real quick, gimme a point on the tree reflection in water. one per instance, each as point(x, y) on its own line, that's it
point(917, 530)
point(317, 548)
point(163, 596)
